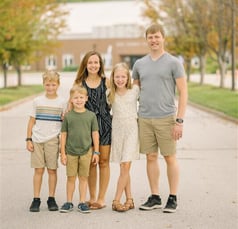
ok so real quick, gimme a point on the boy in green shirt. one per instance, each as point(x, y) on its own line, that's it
point(78, 134)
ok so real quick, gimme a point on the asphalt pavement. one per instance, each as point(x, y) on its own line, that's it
point(208, 189)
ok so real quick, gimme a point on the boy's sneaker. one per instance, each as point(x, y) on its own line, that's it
point(35, 205)
point(67, 207)
point(83, 208)
point(153, 202)
point(171, 205)
point(52, 206)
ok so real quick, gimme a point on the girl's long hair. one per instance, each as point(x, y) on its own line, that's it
point(124, 66)
point(82, 73)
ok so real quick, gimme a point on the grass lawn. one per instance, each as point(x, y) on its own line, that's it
point(222, 100)
point(11, 94)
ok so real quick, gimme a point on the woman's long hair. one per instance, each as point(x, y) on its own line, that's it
point(82, 73)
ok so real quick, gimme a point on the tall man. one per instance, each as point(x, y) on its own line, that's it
point(160, 122)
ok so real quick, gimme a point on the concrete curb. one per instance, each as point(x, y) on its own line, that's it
point(212, 111)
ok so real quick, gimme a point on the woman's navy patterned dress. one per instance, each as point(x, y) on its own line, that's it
point(97, 103)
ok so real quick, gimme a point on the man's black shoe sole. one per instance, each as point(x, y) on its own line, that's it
point(150, 208)
point(34, 210)
point(53, 209)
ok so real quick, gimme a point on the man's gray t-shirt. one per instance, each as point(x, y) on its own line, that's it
point(157, 81)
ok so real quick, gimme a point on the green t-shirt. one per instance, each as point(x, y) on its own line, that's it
point(79, 128)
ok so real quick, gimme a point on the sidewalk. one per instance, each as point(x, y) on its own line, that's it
point(208, 193)
point(35, 78)
point(214, 79)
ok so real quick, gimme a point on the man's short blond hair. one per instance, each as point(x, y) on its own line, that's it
point(154, 28)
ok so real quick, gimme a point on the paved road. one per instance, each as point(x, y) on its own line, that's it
point(208, 194)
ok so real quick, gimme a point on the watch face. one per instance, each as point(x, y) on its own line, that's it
point(179, 120)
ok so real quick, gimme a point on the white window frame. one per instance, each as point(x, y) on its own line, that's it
point(51, 62)
point(67, 60)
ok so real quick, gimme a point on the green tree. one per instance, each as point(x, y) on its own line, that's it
point(198, 27)
point(27, 27)
point(220, 35)
point(176, 18)
point(199, 32)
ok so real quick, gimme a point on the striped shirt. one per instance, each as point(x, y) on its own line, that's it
point(48, 113)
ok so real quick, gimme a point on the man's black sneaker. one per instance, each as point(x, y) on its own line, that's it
point(52, 206)
point(153, 202)
point(67, 207)
point(35, 205)
point(171, 205)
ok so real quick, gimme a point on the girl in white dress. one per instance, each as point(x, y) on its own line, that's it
point(125, 144)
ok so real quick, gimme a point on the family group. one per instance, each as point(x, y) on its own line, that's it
point(102, 122)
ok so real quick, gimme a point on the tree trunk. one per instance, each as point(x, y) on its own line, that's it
point(202, 65)
point(19, 78)
point(188, 68)
point(222, 68)
point(233, 45)
point(4, 67)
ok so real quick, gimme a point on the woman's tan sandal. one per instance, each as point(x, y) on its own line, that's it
point(117, 206)
point(129, 204)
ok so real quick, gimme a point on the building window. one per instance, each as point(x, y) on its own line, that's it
point(68, 60)
point(50, 62)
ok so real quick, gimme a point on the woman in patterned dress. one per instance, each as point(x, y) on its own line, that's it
point(91, 76)
point(125, 141)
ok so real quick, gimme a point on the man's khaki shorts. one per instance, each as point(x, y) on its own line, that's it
point(156, 135)
point(79, 165)
point(45, 154)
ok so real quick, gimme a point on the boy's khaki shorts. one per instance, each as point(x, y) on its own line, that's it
point(79, 165)
point(45, 154)
point(156, 135)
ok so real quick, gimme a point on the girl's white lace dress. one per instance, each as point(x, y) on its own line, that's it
point(125, 139)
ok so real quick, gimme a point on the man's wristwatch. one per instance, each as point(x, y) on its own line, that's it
point(179, 120)
point(28, 139)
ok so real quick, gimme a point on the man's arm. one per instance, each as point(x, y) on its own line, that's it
point(181, 83)
point(183, 96)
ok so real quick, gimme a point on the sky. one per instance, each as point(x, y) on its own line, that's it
point(84, 16)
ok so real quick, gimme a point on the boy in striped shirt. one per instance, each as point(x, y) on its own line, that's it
point(43, 138)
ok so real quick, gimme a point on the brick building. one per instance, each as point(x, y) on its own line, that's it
point(113, 28)
point(113, 50)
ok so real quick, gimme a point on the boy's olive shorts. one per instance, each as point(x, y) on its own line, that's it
point(79, 165)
